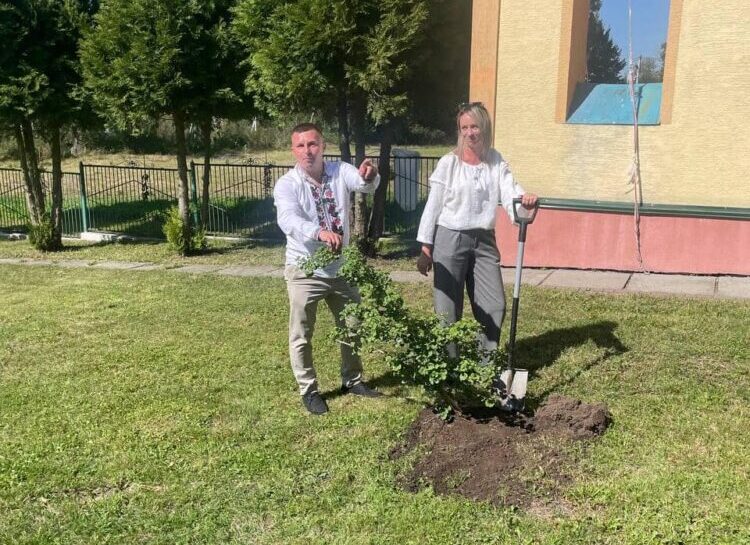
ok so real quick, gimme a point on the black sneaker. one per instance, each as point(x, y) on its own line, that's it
point(314, 403)
point(361, 389)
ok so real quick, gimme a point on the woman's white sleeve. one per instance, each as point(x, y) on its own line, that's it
point(509, 189)
point(431, 213)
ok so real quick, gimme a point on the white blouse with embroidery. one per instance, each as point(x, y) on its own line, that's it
point(464, 196)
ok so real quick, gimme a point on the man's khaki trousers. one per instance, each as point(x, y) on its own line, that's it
point(304, 295)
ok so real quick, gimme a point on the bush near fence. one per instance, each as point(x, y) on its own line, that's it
point(132, 200)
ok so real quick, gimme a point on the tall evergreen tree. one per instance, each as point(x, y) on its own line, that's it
point(346, 59)
point(149, 58)
point(604, 62)
point(40, 76)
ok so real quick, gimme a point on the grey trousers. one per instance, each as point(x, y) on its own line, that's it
point(304, 295)
point(469, 258)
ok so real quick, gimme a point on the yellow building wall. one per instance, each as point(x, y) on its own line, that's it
point(702, 157)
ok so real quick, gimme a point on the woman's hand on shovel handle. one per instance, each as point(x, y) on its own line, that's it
point(529, 200)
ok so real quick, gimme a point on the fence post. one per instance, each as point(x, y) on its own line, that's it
point(194, 192)
point(84, 198)
point(267, 181)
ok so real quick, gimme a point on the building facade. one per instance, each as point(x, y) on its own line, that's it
point(528, 64)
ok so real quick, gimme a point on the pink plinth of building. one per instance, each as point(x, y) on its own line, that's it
point(607, 241)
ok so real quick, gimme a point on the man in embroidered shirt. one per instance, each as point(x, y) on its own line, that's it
point(312, 205)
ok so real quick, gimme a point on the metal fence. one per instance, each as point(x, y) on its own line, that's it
point(132, 200)
point(241, 199)
point(14, 213)
point(128, 200)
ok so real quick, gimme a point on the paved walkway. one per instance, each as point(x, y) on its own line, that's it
point(717, 287)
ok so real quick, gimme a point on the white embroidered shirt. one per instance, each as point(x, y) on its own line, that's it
point(464, 196)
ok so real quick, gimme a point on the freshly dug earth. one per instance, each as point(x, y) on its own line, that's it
point(523, 461)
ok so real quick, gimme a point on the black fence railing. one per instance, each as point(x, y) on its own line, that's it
point(132, 200)
point(128, 200)
point(14, 214)
point(241, 199)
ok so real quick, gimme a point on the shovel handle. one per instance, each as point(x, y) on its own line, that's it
point(512, 337)
point(522, 215)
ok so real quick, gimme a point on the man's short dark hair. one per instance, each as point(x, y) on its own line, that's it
point(304, 127)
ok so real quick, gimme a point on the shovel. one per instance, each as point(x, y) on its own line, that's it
point(512, 387)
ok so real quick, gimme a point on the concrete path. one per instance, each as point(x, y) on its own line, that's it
point(716, 287)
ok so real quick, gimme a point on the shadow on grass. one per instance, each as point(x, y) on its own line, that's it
point(234, 217)
point(537, 352)
point(80, 247)
point(239, 246)
point(243, 245)
point(386, 380)
point(399, 247)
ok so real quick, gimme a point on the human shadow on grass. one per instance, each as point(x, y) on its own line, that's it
point(540, 351)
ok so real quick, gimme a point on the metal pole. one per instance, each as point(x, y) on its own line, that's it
point(516, 294)
point(194, 192)
point(84, 198)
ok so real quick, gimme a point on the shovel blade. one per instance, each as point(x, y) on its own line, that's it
point(513, 394)
point(506, 379)
point(518, 386)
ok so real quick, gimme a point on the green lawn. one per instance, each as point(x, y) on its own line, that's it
point(399, 254)
point(155, 407)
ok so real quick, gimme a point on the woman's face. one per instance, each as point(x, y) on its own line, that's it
point(470, 132)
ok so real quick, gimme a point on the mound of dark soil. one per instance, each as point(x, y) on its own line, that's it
point(522, 461)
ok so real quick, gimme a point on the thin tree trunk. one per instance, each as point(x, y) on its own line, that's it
point(359, 118)
point(30, 198)
point(33, 164)
point(56, 213)
point(206, 125)
point(32, 176)
point(377, 216)
point(342, 115)
point(182, 170)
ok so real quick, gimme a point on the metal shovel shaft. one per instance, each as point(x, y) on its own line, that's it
point(515, 380)
point(516, 298)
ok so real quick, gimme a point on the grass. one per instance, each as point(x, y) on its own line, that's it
point(150, 407)
point(398, 254)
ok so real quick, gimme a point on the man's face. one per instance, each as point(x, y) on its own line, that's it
point(308, 148)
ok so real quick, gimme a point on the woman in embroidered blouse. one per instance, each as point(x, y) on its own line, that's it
point(457, 229)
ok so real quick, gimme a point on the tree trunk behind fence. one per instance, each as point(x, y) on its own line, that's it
point(377, 216)
point(206, 178)
point(182, 169)
point(342, 116)
point(359, 119)
point(56, 212)
point(31, 175)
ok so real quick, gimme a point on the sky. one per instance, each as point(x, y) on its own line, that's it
point(650, 18)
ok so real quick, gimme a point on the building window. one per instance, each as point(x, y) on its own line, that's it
point(593, 71)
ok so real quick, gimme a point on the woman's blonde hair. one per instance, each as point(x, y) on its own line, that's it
point(482, 117)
